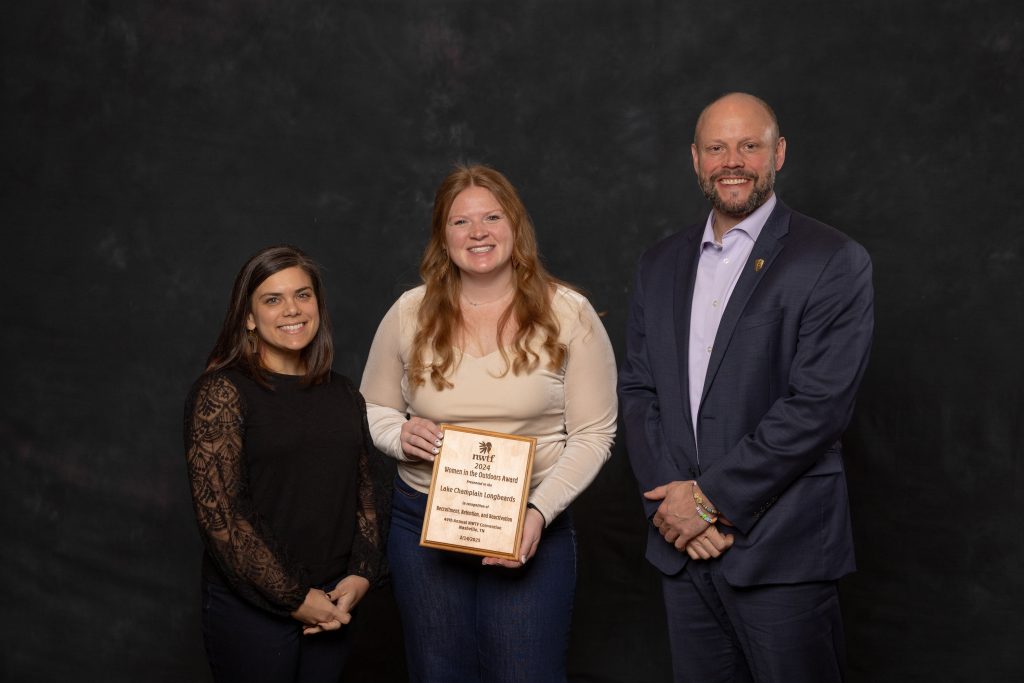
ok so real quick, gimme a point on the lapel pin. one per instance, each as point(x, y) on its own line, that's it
point(758, 265)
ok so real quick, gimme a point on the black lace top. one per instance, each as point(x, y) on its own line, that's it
point(282, 486)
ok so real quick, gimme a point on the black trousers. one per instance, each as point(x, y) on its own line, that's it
point(245, 643)
point(725, 634)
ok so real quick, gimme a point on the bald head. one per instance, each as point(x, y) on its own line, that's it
point(742, 104)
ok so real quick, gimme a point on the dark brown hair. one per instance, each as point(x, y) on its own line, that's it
point(440, 315)
point(233, 348)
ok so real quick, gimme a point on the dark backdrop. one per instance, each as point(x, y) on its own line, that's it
point(150, 147)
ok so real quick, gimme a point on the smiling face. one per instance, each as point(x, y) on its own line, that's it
point(478, 235)
point(736, 152)
point(284, 314)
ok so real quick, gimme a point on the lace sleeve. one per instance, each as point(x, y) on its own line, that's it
point(374, 509)
point(240, 543)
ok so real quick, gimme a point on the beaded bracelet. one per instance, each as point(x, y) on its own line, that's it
point(700, 501)
point(709, 513)
point(710, 519)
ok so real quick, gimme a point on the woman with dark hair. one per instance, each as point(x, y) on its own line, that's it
point(489, 341)
point(278, 455)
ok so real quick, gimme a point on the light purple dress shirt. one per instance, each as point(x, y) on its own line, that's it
point(717, 274)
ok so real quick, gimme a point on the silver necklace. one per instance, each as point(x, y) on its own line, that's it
point(474, 304)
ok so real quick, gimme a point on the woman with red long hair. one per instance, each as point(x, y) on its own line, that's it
point(489, 341)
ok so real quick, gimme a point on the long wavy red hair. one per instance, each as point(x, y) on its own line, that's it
point(440, 315)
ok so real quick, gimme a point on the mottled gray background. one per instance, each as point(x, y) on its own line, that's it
point(150, 147)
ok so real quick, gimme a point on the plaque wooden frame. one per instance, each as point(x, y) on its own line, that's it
point(475, 474)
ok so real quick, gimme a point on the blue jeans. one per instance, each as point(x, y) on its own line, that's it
point(245, 643)
point(464, 622)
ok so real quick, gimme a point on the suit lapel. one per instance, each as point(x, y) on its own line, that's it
point(686, 274)
point(768, 245)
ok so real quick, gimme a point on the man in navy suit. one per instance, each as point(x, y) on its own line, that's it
point(748, 336)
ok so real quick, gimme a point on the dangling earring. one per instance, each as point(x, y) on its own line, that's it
point(254, 341)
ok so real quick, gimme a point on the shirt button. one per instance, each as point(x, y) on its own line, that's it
point(715, 303)
point(725, 260)
point(709, 349)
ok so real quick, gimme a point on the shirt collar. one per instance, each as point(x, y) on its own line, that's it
point(751, 226)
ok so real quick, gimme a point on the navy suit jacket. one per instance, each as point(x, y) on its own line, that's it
point(789, 355)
